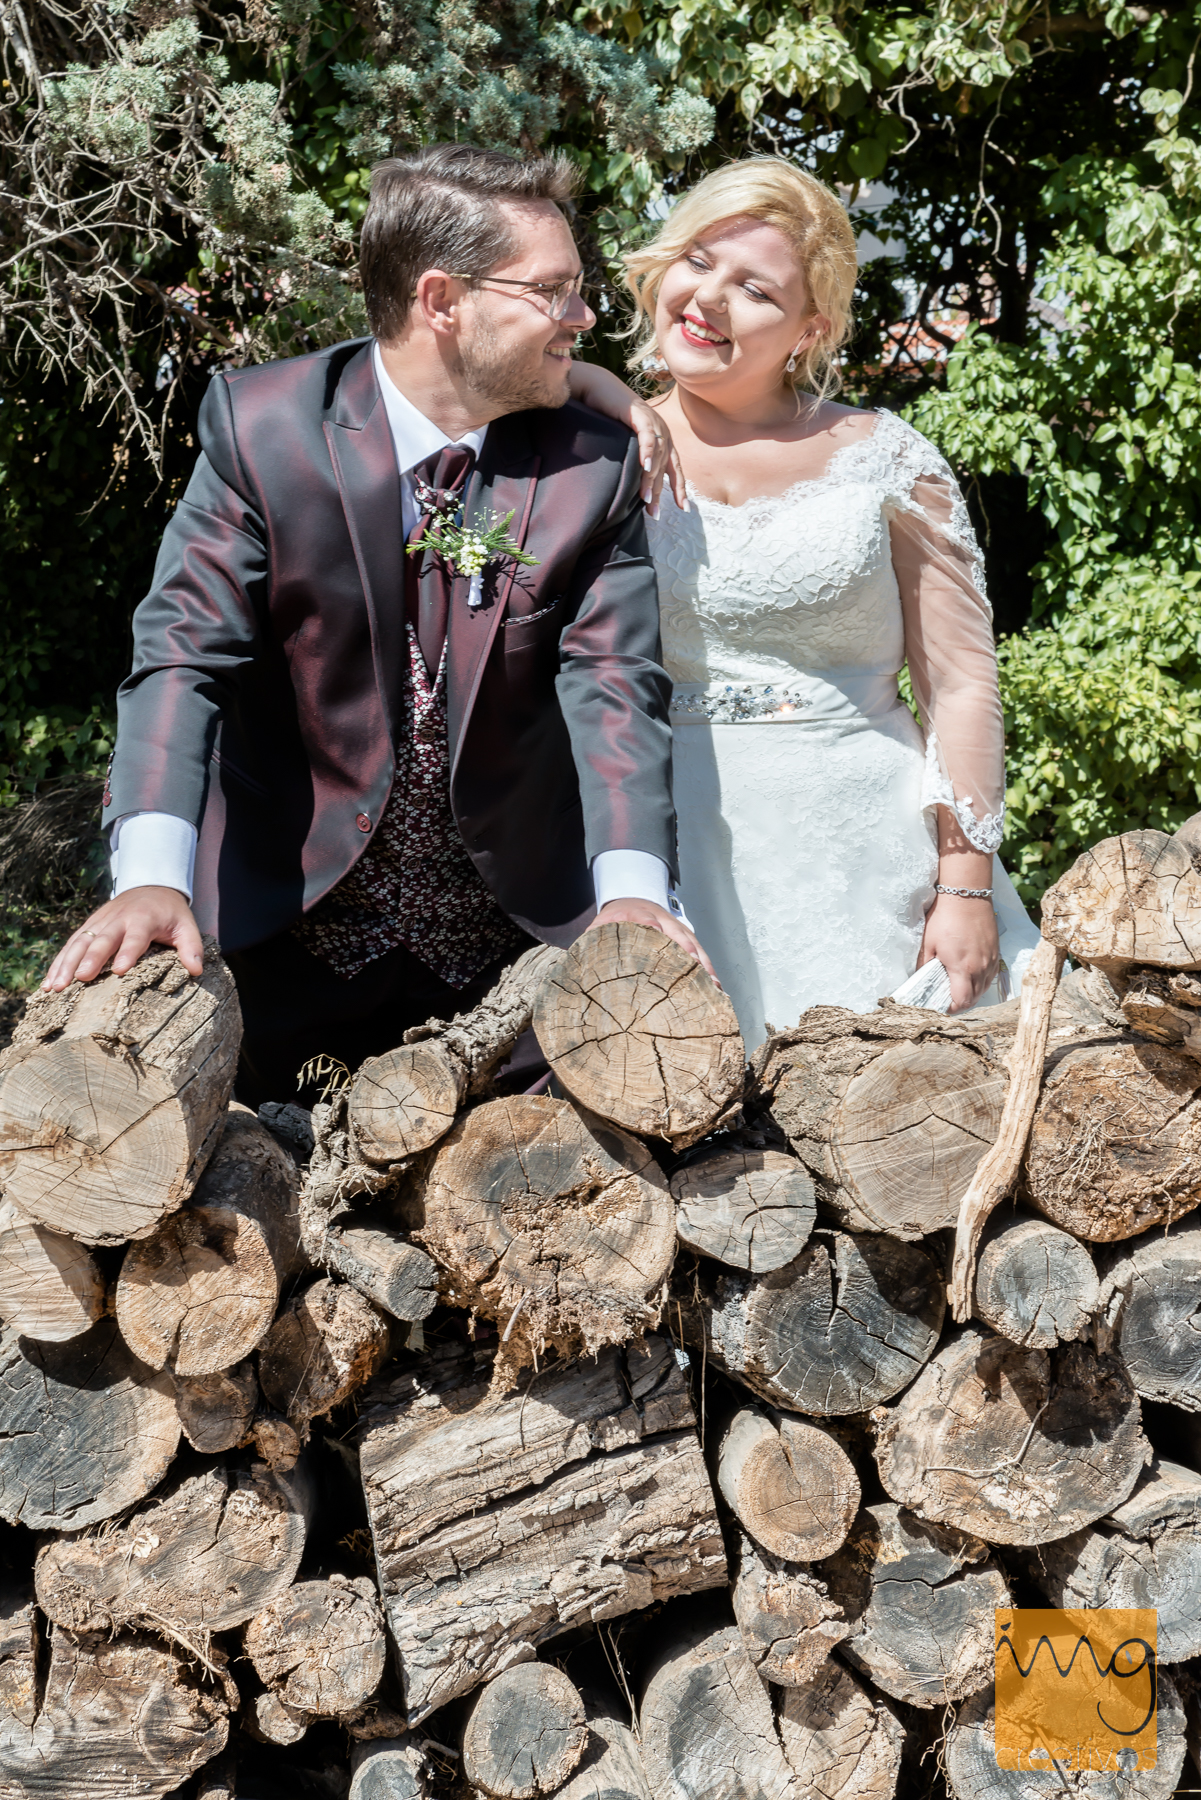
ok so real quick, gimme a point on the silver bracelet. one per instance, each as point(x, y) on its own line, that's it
point(964, 893)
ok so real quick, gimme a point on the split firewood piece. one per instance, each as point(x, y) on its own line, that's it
point(319, 1648)
point(750, 1209)
point(1035, 1284)
point(790, 1484)
point(216, 1411)
point(704, 1709)
point(50, 1287)
point(844, 1326)
point(637, 1031)
point(552, 1222)
point(1020, 1446)
point(1130, 899)
point(843, 1742)
point(125, 1715)
point(204, 1554)
point(325, 1343)
point(407, 1099)
point(200, 1292)
point(1115, 1146)
point(583, 1496)
point(1150, 1297)
point(113, 1096)
point(388, 1769)
point(998, 1171)
point(88, 1429)
point(918, 1599)
point(789, 1623)
point(525, 1732)
point(611, 1766)
point(19, 1648)
point(385, 1268)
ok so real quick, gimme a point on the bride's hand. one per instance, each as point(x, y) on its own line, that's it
point(962, 934)
point(605, 393)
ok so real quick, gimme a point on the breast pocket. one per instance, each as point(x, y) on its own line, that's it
point(530, 629)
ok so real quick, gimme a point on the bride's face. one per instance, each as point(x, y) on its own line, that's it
point(733, 308)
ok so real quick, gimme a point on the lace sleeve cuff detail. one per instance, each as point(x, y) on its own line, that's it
point(981, 833)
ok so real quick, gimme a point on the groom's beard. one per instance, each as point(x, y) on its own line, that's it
point(507, 377)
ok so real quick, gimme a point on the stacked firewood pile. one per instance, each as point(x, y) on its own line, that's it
point(616, 1441)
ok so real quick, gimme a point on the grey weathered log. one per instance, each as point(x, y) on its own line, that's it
point(19, 1648)
point(845, 1325)
point(50, 1287)
point(749, 1209)
point(582, 1496)
point(1150, 1297)
point(843, 1741)
point(325, 1343)
point(524, 1733)
point(216, 1411)
point(113, 1095)
point(319, 1647)
point(611, 1766)
point(918, 1600)
point(1019, 1446)
point(291, 1126)
point(388, 1769)
point(789, 1623)
point(706, 1723)
point(88, 1429)
point(385, 1268)
point(204, 1554)
point(272, 1721)
point(1035, 1284)
point(791, 1484)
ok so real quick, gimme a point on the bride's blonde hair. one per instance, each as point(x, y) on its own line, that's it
point(812, 218)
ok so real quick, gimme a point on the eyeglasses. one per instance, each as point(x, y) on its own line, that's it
point(559, 292)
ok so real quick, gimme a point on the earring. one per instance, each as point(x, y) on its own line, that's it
point(653, 365)
point(790, 365)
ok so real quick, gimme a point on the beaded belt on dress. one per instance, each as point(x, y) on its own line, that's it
point(728, 705)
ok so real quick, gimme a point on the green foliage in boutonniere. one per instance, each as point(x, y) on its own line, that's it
point(469, 551)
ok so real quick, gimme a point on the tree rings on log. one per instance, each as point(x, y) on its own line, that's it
point(847, 1324)
point(704, 1710)
point(639, 1033)
point(791, 1485)
point(216, 1411)
point(1149, 1307)
point(789, 1623)
point(1115, 1146)
point(320, 1646)
point(749, 1209)
point(1035, 1284)
point(843, 1742)
point(554, 1223)
point(325, 1343)
point(1019, 1446)
point(387, 1769)
point(525, 1733)
point(918, 1600)
point(113, 1095)
point(404, 1101)
point(1130, 899)
point(50, 1288)
point(88, 1429)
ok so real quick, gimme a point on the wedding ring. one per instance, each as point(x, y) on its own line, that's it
point(88, 934)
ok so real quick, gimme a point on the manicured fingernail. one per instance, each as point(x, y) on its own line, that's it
point(655, 510)
point(648, 465)
point(687, 504)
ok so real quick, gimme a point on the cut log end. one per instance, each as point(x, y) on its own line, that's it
point(319, 1648)
point(749, 1209)
point(525, 1733)
point(50, 1287)
point(326, 1343)
point(1035, 1284)
point(404, 1101)
point(791, 1485)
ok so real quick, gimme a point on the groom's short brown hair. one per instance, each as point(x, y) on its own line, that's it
point(438, 209)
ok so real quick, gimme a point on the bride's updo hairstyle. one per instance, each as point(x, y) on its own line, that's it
point(811, 217)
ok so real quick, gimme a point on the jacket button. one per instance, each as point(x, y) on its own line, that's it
point(363, 822)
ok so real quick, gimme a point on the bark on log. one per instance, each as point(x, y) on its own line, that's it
point(552, 1222)
point(1163, 1007)
point(584, 1496)
point(846, 1325)
point(843, 1742)
point(88, 1429)
point(326, 1343)
point(525, 1732)
point(750, 1209)
point(112, 1096)
point(19, 1647)
point(201, 1291)
point(121, 1718)
point(1150, 1298)
point(1130, 899)
point(404, 1101)
point(790, 1484)
point(50, 1288)
point(707, 1727)
point(385, 1268)
point(611, 1766)
point(637, 1031)
point(1035, 1284)
point(1114, 1147)
point(388, 1769)
point(216, 1411)
point(789, 1623)
point(1019, 1446)
point(320, 1647)
point(918, 1600)
point(205, 1554)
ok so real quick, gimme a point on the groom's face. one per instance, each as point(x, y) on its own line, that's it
point(511, 349)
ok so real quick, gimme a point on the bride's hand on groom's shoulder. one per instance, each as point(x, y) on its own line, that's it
point(962, 934)
point(645, 912)
point(605, 393)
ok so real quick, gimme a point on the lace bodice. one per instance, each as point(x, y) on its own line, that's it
point(847, 574)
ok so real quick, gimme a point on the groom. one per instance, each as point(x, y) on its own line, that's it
point(377, 776)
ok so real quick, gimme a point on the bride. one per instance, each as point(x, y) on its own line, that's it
point(828, 847)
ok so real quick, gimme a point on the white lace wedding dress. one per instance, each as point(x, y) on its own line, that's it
point(804, 789)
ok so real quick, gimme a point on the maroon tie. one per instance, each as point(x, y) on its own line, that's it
point(439, 481)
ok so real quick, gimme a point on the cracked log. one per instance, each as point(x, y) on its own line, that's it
point(1019, 1446)
point(201, 1291)
point(1130, 899)
point(637, 1032)
point(789, 1623)
point(1150, 1300)
point(204, 1554)
point(50, 1287)
point(319, 1648)
point(611, 1766)
point(1035, 1284)
point(113, 1096)
point(385, 1268)
point(789, 1483)
point(525, 1732)
point(500, 1522)
point(216, 1411)
point(749, 1209)
point(87, 1429)
point(19, 1648)
point(844, 1326)
point(842, 1740)
point(918, 1600)
point(387, 1769)
point(707, 1725)
point(325, 1343)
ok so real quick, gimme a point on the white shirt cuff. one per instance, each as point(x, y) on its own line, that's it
point(630, 875)
point(153, 849)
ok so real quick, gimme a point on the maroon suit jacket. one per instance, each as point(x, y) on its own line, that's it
point(269, 655)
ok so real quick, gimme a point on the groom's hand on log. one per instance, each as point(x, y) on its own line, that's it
point(122, 929)
point(645, 912)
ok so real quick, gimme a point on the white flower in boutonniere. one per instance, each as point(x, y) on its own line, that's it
point(469, 551)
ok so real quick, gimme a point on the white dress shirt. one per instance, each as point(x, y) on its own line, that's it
point(153, 849)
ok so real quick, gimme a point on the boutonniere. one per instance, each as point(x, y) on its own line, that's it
point(467, 550)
